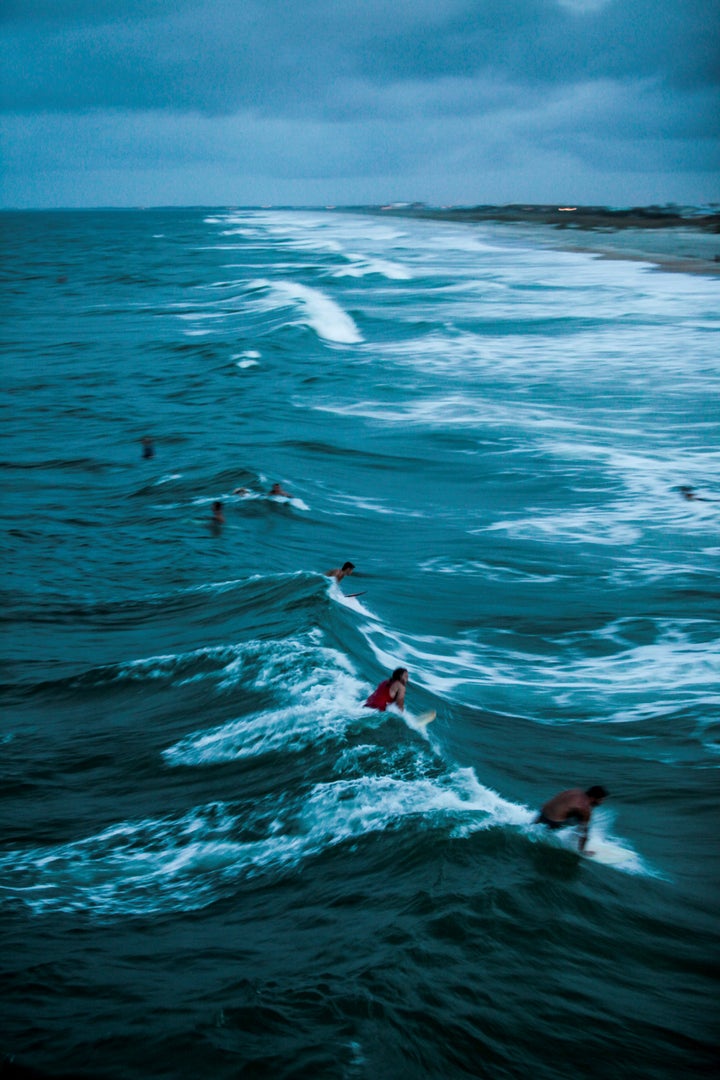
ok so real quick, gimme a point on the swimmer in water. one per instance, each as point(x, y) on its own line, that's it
point(277, 490)
point(218, 517)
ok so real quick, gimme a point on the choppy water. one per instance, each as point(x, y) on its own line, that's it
point(214, 862)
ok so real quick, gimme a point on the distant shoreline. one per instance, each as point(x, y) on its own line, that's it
point(671, 239)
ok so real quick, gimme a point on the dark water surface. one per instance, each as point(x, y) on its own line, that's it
point(214, 862)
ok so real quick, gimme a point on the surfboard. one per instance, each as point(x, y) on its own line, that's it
point(426, 718)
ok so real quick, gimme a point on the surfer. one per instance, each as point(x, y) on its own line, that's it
point(277, 490)
point(218, 517)
point(688, 492)
point(341, 571)
point(390, 691)
point(148, 449)
point(572, 807)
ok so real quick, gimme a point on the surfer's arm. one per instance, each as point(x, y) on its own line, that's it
point(399, 696)
point(583, 826)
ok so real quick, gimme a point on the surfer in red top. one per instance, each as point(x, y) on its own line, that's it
point(390, 691)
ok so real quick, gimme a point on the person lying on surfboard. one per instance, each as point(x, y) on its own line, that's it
point(390, 691)
point(573, 807)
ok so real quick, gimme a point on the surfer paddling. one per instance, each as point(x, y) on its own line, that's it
point(276, 489)
point(572, 807)
point(390, 691)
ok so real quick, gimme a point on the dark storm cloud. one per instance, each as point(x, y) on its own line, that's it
point(307, 101)
point(284, 58)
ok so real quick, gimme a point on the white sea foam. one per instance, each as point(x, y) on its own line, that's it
point(603, 847)
point(673, 667)
point(475, 567)
point(247, 359)
point(361, 266)
point(316, 710)
point(578, 526)
point(349, 601)
point(187, 861)
point(314, 308)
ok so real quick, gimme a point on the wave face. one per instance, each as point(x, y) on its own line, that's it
point(213, 857)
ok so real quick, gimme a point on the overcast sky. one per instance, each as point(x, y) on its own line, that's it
point(242, 102)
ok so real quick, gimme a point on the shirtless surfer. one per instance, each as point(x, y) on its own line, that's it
point(572, 807)
point(277, 490)
point(390, 691)
point(341, 571)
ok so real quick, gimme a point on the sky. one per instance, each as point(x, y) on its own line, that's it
point(316, 102)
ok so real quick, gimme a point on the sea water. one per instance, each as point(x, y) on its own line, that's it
point(214, 861)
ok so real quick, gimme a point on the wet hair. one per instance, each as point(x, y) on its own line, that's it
point(398, 673)
point(217, 506)
point(597, 792)
point(348, 566)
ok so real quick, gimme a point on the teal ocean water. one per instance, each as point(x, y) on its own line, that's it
point(214, 862)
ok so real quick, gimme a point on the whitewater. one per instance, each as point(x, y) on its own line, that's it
point(214, 860)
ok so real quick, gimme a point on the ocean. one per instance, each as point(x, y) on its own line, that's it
point(214, 861)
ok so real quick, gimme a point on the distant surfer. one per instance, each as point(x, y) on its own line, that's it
point(341, 571)
point(572, 807)
point(277, 490)
point(688, 492)
point(148, 448)
point(242, 491)
point(218, 516)
point(390, 691)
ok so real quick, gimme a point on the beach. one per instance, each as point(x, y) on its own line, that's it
point(681, 241)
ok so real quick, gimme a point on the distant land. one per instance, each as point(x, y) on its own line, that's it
point(675, 238)
point(566, 217)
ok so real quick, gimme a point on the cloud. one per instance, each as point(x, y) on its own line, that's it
point(358, 100)
point(222, 56)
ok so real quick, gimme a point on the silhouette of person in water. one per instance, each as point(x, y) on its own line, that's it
point(277, 490)
point(572, 807)
point(390, 691)
point(148, 447)
point(218, 517)
point(341, 571)
point(688, 492)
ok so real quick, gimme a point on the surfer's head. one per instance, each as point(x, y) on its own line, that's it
point(597, 793)
point(400, 674)
point(348, 567)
